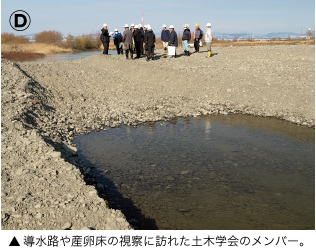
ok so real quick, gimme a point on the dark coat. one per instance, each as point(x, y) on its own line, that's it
point(105, 34)
point(137, 35)
point(186, 35)
point(173, 39)
point(118, 38)
point(165, 35)
point(143, 33)
point(150, 39)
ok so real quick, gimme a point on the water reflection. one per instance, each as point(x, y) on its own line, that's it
point(73, 56)
point(218, 172)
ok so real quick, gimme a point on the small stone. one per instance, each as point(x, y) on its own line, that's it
point(185, 171)
point(38, 216)
point(170, 178)
point(55, 154)
point(66, 226)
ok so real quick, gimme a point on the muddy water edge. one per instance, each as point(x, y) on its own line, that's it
point(213, 172)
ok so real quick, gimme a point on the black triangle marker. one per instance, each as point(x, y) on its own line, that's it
point(14, 243)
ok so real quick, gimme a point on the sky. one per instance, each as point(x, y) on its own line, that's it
point(78, 17)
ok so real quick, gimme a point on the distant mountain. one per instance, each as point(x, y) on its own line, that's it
point(282, 34)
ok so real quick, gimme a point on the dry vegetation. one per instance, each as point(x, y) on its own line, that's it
point(50, 42)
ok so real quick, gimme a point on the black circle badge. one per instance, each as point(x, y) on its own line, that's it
point(20, 20)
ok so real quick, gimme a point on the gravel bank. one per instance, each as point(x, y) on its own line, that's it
point(44, 105)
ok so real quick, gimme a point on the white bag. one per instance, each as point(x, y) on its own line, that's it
point(171, 50)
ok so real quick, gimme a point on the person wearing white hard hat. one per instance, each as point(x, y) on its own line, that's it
point(145, 43)
point(140, 27)
point(118, 38)
point(128, 41)
point(132, 27)
point(185, 39)
point(150, 40)
point(208, 39)
point(105, 38)
point(165, 37)
point(173, 42)
point(137, 39)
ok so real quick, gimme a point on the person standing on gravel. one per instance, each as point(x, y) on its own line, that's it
point(165, 37)
point(198, 35)
point(137, 40)
point(105, 39)
point(150, 41)
point(208, 39)
point(142, 39)
point(117, 38)
point(173, 42)
point(185, 39)
point(128, 41)
point(145, 43)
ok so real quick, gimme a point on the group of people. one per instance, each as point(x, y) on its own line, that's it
point(142, 40)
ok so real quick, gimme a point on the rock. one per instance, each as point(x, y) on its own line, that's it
point(185, 171)
point(170, 178)
point(66, 226)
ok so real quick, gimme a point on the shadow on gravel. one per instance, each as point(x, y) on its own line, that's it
point(117, 201)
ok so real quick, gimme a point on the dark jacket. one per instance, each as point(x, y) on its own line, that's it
point(143, 33)
point(186, 35)
point(105, 34)
point(137, 35)
point(150, 39)
point(165, 35)
point(173, 39)
point(118, 38)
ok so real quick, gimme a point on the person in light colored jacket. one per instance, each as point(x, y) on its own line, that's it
point(208, 39)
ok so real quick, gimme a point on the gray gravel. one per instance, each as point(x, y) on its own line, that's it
point(44, 105)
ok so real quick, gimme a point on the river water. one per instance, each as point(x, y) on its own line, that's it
point(229, 172)
point(73, 56)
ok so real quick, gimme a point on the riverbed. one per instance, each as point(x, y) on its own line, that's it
point(45, 105)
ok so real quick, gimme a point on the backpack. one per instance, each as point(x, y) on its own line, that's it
point(201, 34)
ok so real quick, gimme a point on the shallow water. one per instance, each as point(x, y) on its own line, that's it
point(214, 172)
point(73, 56)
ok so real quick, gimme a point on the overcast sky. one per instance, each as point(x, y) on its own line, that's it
point(79, 17)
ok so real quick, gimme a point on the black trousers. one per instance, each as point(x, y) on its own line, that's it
point(197, 44)
point(150, 52)
point(137, 47)
point(106, 48)
point(119, 50)
point(131, 52)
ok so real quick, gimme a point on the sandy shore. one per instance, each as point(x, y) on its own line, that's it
point(45, 104)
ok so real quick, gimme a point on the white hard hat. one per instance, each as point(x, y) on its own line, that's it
point(139, 25)
point(111, 33)
point(148, 27)
point(208, 25)
point(136, 27)
point(126, 26)
point(164, 26)
point(115, 30)
point(132, 25)
point(171, 27)
point(188, 26)
point(104, 25)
